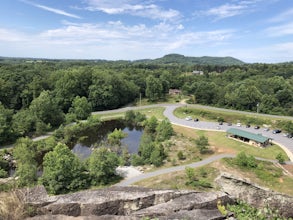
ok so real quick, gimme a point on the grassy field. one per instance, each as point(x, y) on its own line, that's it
point(219, 143)
point(233, 117)
point(149, 112)
point(270, 176)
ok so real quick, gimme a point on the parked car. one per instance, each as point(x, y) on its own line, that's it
point(256, 127)
point(238, 124)
point(276, 131)
point(229, 124)
point(248, 125)
point(196, 119)
point(266, 129)
point(188, 118)
point(220, 123)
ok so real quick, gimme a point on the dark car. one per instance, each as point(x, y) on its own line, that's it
point(248, 125)
point(256, 127)
point(229, 124)
point(220, 123)
point(276, 131)
point(196, 119)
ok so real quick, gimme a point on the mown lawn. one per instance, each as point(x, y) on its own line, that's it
point(219, 143)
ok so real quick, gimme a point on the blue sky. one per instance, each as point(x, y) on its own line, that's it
point(250, 30)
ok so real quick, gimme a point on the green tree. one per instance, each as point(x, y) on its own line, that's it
point(63, 171)
point(6, 131)
point(154, 88)
point(146, 147)
point(115, 137)
point(158, 155)
point(164, 130)
point(151, 125)
point(23, 122)
point(202, 143)
point(25, 154)
point(102, 166)
point(243, 160)
point(46, 110)
point(81, 108)
point(281, 158)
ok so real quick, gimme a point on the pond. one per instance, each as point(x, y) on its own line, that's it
point(93, 139)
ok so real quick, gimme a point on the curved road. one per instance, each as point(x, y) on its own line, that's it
point(285, 143)
point(279, 139)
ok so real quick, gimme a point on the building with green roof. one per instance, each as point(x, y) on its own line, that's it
point(248, 137)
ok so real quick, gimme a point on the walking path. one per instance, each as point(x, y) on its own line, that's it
point(206, 161)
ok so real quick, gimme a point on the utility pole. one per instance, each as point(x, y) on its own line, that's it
point(257, 108)
point(139, 99)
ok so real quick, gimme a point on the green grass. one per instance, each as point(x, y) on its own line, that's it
point(265, 174)
point(168, 99)
point(221, 144)
point(149, 112)
point(233, 117)
point(177, 180)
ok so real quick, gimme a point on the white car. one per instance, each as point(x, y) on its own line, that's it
point(188, 118)
point(238, 124)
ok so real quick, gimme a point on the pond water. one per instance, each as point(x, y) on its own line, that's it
point(98, 138)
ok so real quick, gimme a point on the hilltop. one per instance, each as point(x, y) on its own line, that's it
point(186, 60)
point(167, 59)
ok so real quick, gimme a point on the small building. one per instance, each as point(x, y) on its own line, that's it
point(197, 72)
point(248, 137)
point(174, 91)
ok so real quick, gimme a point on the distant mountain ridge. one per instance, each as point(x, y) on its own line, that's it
point(181, 59)
point(167, 59)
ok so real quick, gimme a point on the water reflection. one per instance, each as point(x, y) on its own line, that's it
point(89, 141)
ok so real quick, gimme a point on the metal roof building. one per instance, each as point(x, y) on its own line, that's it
point(251, 138)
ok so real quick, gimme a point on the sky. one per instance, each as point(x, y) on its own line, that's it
point(254, 31)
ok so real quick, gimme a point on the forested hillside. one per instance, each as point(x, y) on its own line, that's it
point(206, 60)
point(38, 95)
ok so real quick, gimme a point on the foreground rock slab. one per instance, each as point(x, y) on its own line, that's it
point(257, 196)
point(126, 203)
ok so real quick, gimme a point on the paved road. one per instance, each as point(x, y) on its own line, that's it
point(285, 143)
point(130, 181)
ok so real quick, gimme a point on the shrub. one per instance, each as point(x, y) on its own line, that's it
point(180, 155)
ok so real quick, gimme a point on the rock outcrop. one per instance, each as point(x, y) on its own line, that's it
point(257, 196)
point(133, 202)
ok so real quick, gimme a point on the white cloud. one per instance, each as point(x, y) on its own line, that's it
point(54, 10)
point(111, 40)
point(285, 16)
point(225, 11)
point(280, 30)
point(7, 35)
point(133, 7)
point(231, 9)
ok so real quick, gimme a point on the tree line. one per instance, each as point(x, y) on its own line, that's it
point(36, 97)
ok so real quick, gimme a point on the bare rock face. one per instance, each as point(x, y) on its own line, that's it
point(259, 197)
point(126, 203)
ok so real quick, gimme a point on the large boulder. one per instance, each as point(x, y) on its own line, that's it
point(133, 202)
point(257, 196)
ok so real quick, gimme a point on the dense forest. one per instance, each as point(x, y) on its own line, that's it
point(38, 95)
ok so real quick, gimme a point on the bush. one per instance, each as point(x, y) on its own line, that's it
point(3, 173)
point(181, 156)
point(243, 160)
point(281, 158)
